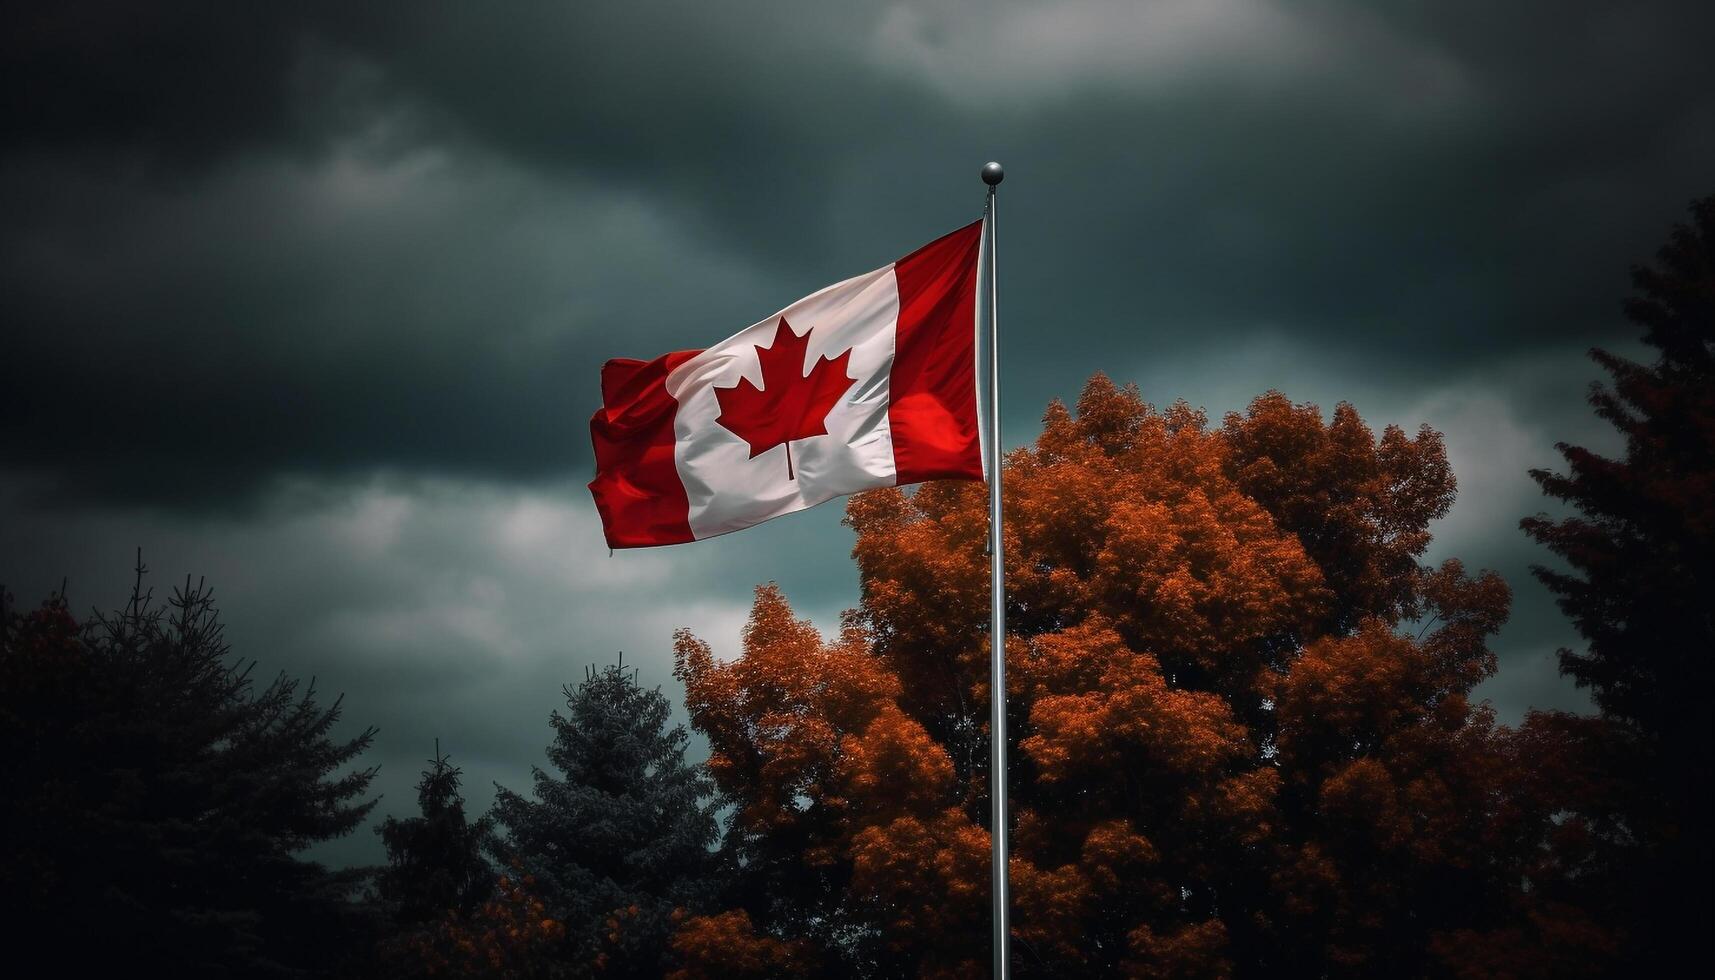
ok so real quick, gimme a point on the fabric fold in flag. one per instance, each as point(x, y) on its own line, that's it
point(870, 382)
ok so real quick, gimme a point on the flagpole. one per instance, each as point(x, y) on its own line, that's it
point(992, 176)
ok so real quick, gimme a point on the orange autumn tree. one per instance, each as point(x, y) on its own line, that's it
point(1242, 736)
point(510, 936)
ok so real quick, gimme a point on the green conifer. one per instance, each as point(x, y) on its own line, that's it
point(158, 802)
point(621, 836)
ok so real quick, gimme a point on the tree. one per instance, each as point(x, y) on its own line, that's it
point(621, 838)
point(510, 936)
point(436, 860)
point(1637, 581)
point(157, 801)
point(1239, 710)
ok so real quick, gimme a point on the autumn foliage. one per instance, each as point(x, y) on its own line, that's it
point(1238, 706)
point(510, 936)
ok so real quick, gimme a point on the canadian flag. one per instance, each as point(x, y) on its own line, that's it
point(870, 382)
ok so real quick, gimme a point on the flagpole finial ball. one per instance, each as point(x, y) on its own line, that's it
point(992, 173)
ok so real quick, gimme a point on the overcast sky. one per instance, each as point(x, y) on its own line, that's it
point(310, 299)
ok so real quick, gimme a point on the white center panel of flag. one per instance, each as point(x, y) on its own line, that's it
point(726, 488)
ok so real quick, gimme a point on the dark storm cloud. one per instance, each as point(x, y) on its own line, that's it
point(1413, 186)
point(186, 82)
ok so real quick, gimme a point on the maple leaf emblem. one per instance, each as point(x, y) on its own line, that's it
point(792, 403)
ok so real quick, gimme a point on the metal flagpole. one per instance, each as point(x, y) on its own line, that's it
point(992, 176)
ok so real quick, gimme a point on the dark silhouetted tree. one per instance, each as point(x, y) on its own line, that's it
point(156, 801)
point(435, 861)
point(1639, 583)
point(619, 837)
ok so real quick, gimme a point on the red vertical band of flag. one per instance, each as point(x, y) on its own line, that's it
point(933, 384)
point(637, 487)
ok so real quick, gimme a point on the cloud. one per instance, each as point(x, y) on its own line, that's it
point(996, 55)
point(439, 608)
point(342, 238)
point(419, 309)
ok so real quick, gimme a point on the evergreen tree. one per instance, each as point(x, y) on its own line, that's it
point(435, 860)
point(156, 801)
point(621, 837)
point(1640, 553)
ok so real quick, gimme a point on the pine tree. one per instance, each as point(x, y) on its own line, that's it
point(156, 801)
point(1640, 577)
point(621, 837)
point(436, 861)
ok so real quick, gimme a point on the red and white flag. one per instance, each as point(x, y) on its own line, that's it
point(870, 382)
